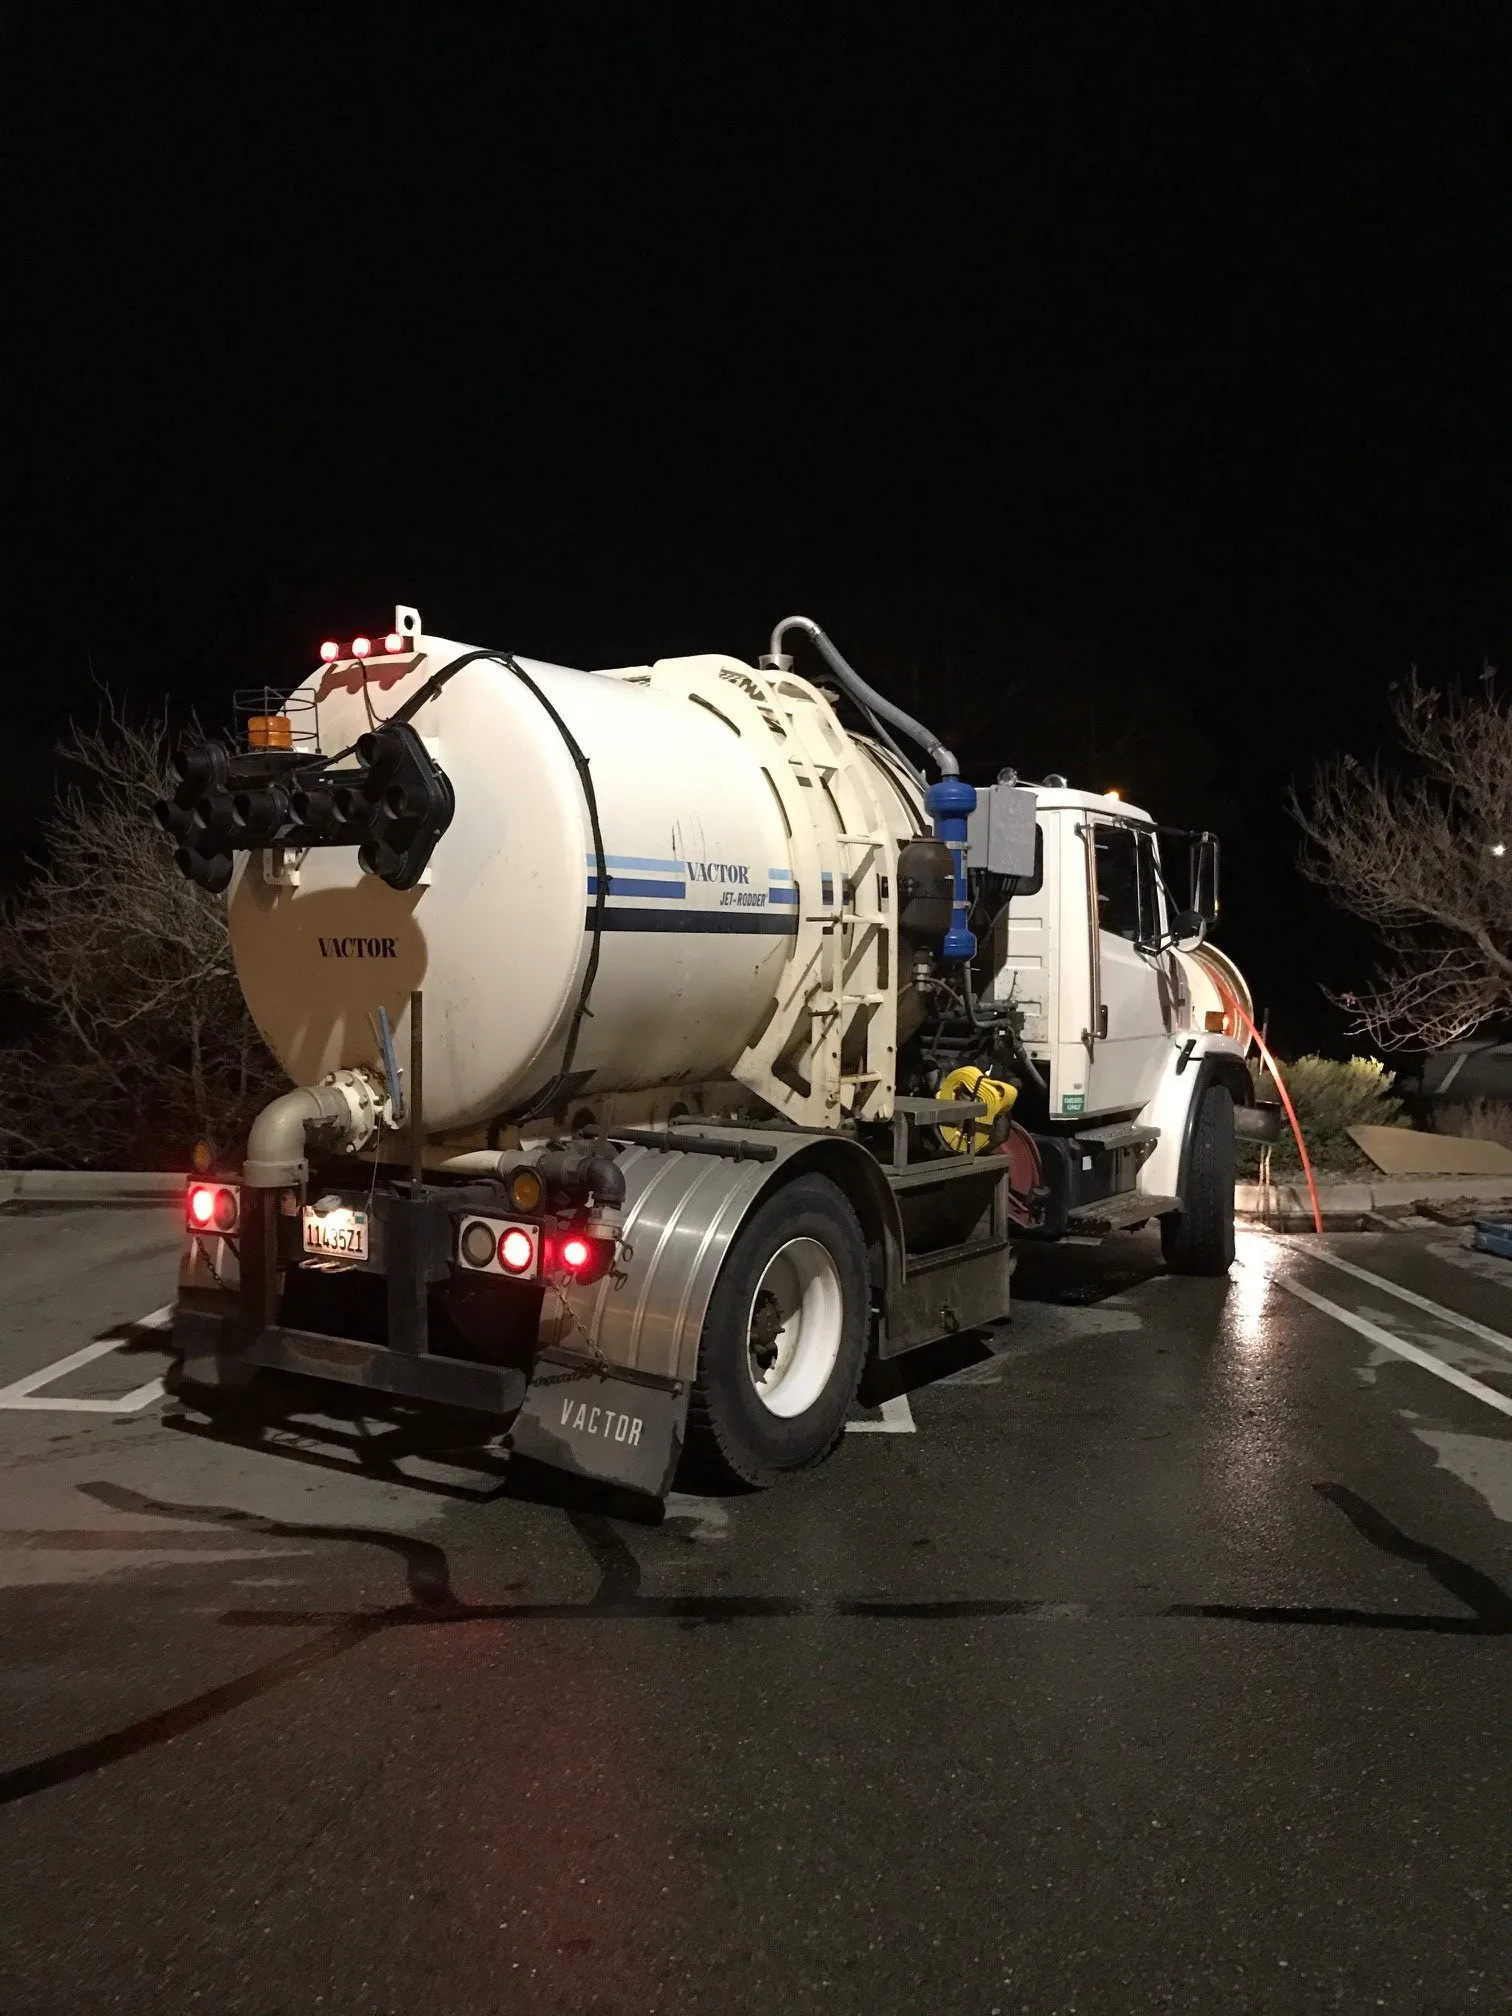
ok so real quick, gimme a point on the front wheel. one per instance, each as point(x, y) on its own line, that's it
point(1199, 1238)
point(784, 1339)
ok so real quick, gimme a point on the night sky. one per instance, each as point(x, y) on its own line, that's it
point(1127, 387)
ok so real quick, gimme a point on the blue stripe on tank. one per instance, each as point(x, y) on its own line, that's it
point(636, 861)
point(634, 885)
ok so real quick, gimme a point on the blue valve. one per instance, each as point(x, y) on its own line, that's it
point(949, 803)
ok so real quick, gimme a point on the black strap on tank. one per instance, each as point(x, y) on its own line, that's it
point(547, 1098)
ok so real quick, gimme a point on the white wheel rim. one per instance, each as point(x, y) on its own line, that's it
point(794, 1327)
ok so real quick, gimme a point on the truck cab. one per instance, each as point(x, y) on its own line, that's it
point(1086, 950)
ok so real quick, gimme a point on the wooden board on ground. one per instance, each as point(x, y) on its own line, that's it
point(1402, 1151)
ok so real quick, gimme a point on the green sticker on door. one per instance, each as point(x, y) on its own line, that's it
point(1073, 1102)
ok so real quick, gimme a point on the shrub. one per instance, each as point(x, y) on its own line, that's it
point(1475, 1120)
point(1330, 1097)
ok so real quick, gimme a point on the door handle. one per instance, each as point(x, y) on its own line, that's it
point(1102, 1022)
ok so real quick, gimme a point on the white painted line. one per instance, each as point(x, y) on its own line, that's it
point(129, 1403)
point(897, 1419)
point(1399, 1345)
point(1466, 1323)
point(23, 1395)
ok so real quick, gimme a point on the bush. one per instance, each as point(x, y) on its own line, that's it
point(1330, 1098)
point(1474, 1120)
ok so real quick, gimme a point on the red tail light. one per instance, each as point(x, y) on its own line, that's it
point(516, 1251)
point(212, 1207)
point(393, 642)
point(587, 1260)
point(361, 646)
point(330, 650)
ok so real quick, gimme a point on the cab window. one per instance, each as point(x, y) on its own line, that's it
point(1125, 884)
point(1117, 881)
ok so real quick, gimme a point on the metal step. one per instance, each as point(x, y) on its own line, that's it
point(949, 1110)
point(1109, 1214)
point(1122, 1134)
point(950, 1256)
point(947, 1169)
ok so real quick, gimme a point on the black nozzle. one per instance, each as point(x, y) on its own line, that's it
point(211, 872)
point(259, 817)
point(199, 770)
point(316, 811)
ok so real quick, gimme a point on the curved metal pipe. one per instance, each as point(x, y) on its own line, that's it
point(599, 1175)
point(480, 1162)
point(347, 1108)
point(867, 696)
point(276, 1145)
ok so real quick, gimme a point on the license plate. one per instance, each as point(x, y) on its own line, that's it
point(336, 1235)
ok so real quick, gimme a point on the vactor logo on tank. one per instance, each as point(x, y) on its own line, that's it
point(358, 948)
point(718, 871)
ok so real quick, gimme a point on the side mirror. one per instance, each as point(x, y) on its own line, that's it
point(1188, 930)
point(1205, 876)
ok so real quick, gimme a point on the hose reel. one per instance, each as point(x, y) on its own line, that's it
point(977, 1132)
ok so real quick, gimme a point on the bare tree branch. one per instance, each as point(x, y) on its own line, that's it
point(1425, 857)
point(140, 1039)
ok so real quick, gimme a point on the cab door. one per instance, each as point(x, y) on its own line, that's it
point(1129, 1032)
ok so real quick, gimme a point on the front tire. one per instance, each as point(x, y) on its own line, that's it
point(1199, 1238)
point(784, 1340)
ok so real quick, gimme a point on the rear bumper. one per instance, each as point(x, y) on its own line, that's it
point(213, 1351)
point(613, 1426)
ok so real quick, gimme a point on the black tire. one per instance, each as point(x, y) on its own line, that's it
point(733, 1435)
point(1199, 1238)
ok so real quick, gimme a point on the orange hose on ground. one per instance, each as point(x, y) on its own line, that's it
point(1291, 1113)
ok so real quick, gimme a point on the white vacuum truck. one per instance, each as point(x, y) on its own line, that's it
point(667, 1048)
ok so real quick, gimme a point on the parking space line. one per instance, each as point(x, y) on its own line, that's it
point(1399, 1345)
point(1467, 1323)
point(24, 1395)
point(897, 1419)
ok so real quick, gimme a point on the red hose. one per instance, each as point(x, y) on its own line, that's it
point(1291, 1113)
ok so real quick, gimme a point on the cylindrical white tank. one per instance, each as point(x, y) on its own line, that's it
point(1220, 994)
point(701, 907)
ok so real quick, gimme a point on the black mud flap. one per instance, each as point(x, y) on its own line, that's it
point(601, 1424)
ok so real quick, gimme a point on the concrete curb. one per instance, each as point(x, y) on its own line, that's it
point(88, 1186)
point(1287, 1206)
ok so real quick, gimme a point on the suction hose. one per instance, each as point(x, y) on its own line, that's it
point(864, 695)
point(950, 802)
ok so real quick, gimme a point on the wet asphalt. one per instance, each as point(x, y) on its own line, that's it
point(1149, 1653)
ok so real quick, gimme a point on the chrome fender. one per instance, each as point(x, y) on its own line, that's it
point(682, 1211)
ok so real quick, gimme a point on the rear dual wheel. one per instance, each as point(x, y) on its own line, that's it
point(784, 1340)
